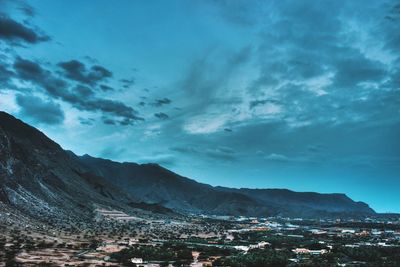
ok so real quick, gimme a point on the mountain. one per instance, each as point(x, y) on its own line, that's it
point(305, 204)
point(155, 184)
point(40, 179)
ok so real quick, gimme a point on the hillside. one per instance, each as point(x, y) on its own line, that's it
point(40, 179)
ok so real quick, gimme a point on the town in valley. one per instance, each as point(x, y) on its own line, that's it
point(117, 239)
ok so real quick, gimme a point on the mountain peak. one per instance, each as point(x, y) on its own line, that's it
point(19, 130)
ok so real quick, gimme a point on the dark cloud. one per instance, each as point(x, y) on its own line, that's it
point(98, 73)
point(32, 71)
point(27, 10)
point(11, 30)
point(355, 69)
point(109, 121)
point(81, 97)
point(126, 83)
point(91, 59)
point(39, 110)
point(86, 121)
point(124, 122)
point(29, 70)
point(128, 114)
point(84, 91)
point(161, 116)
point(76, 70)
point(256, 103)
point(106, 88)
point(161, 102)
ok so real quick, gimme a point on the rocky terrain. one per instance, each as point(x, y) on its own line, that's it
point(40, 180)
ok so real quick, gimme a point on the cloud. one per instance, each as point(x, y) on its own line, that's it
point(86, 121)
point(256, 103)
point(161, 116)
point(287, 77)
point(106, 88)
point(41, 111)
point(76, 70)
point(126, 83)
point(212, 96)
point(5, 74)
point(161, 102)
point(110, 106)
point(81, 97)
point(185, 149)
point(29, 70)
point(109, 121)
point(84, 91)
point(11, 30)
point(356, 68)
point(220, 152)
point(28, 10)
point(277, 157)
point(391, 29)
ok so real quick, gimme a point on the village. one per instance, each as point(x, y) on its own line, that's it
point(117, 239)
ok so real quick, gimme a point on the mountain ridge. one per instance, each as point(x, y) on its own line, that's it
point(98, 163)
point(38, 176)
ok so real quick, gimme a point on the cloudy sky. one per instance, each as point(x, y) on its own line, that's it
point(295, 94)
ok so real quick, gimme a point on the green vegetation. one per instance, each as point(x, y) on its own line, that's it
point(177, 253)
point(258, 258)
point(382, 256)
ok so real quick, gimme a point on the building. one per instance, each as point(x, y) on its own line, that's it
point(309, 251)
point(137, 260)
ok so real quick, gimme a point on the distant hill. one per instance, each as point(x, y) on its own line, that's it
point(306, 204)
point(39, 178)
point(155, 184)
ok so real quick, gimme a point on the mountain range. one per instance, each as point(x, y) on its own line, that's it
point(40, 179)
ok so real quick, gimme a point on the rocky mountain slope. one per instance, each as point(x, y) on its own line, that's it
point(155, 184)
point(40, 179)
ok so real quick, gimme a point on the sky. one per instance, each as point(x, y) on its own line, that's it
point(298, 94)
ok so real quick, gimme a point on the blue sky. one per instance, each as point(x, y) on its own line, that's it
point(302, 95)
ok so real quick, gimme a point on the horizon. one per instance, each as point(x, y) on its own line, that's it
point(303, 96)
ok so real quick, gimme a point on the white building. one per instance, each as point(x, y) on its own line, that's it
point(137, 260)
